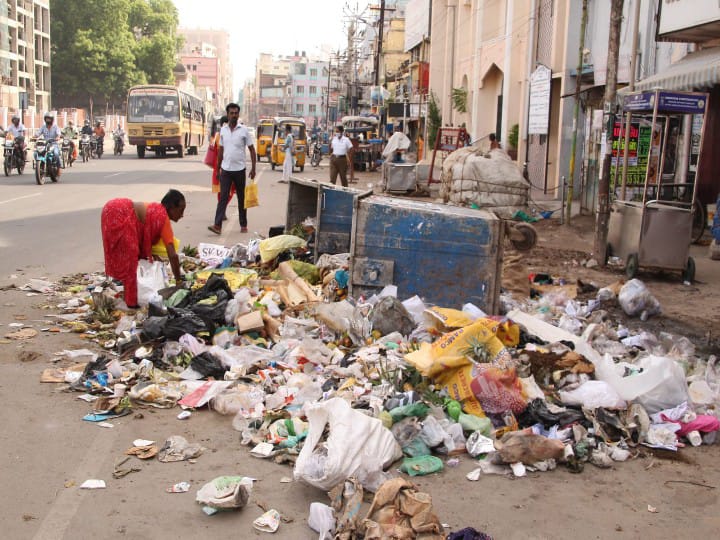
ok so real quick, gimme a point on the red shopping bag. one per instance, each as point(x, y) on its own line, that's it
point(211, 156)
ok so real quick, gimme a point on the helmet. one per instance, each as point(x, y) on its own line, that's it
point(48, 115)
point(15, 117)
point(87, 122)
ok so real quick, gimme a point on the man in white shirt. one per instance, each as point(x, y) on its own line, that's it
point(16, 128)
point(289, 147)
point(341, 157)
point(234, 138)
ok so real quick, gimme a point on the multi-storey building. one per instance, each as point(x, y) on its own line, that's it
point(24, 58)
point(202, 43)
point(308, 85)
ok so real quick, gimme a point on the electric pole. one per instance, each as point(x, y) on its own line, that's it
point(603, 213)
point(576, 111)
point(378, 52)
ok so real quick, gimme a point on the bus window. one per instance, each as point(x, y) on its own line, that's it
point(152, 108)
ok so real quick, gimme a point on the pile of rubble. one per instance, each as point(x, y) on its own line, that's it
point(345, 388)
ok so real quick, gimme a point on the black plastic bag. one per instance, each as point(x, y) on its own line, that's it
point(184, 321)
point(538, 412)
point(208, 366)
point(153, 327)
point(215, 312)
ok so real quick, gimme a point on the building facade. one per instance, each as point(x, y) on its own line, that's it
point(308, 85)
point(24, 58)
point(202, 43)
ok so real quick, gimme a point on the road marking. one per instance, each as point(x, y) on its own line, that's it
point(20, 198)
point(68, 501)
point(114, 174)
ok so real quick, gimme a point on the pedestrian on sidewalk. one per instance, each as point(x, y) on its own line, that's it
point(341, 157)
point(216, 166)
point(289, 147)
point(234, 139)
point(129, 230)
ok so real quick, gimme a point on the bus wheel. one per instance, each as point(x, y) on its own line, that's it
point(181, 153)
point(141, 151)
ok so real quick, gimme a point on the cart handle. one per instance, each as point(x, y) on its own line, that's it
point(679, 205)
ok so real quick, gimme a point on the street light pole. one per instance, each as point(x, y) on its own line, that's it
point(381, 27)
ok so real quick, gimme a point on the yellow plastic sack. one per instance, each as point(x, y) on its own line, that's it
point(451, 350)
point(448, 318)
point(236, 277)
point(484, 388)
point(159, 249)
point(272, 247)
point(251, 195)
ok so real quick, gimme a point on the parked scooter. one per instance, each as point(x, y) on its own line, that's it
point(45, 161)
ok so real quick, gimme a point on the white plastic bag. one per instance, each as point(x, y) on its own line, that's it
point(356, 445)
point(151, 278)
point(322, 520)
point(225, 492)
point(636, 299)
point(593, 394)
point(659, 382)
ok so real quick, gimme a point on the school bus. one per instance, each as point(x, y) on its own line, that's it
point(162, 118)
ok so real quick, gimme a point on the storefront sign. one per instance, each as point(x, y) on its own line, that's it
point(539, 114)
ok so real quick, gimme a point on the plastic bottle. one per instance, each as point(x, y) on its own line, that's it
point(695, 438)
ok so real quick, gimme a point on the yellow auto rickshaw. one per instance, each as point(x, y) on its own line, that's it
point(277, 156)
point(264, 138)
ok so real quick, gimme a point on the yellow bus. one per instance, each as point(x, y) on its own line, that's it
point(162, 118)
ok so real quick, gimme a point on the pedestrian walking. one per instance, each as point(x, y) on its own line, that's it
point(129, 230)
point(234, 140)
point(341, 157)
point(216, 165)
point(289, 147)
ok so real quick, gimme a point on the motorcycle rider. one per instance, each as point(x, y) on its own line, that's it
point(86, 129)
point(17, 130)
point(119, 133)
point(99, 136)
point(70, 133)
point(51, 133)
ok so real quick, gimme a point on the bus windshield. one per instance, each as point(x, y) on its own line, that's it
point(153, 107)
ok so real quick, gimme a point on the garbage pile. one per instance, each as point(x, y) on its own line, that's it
point(362, 393)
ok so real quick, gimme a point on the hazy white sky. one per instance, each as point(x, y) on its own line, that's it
point(274, 26)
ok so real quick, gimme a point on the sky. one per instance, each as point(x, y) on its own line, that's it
point(273, 26)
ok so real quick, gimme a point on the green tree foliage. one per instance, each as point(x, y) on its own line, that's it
point(100, 48)
point(434, 119)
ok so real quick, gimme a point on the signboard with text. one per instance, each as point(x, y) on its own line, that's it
point(539, 113)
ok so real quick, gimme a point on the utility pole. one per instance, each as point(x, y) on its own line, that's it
point(378, 53)
point(576, 111)
point(603, 213)
point(631, 87)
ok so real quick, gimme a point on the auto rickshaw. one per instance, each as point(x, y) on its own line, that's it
point(277, 156)
point(363, 132)
point(264, 138)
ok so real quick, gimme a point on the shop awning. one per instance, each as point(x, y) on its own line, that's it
point(698, 70)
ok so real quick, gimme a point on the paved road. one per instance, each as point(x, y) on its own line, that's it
point(54, 229)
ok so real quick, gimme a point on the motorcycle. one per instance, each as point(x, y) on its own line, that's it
point(316, 155)
point(14, 155)
point(85, 147)
point(67, 152)
point(45, 161)
point(97, 143)
point(119, 145)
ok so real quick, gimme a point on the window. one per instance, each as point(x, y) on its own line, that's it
point(299, 108)
point(313, 90)
point(313, 72)
point(312, 108)
point(299, 89)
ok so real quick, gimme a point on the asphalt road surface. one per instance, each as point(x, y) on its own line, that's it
point(54, 229)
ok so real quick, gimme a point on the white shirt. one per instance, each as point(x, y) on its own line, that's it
point(340, 145)
point(16, 131)
point(289, 143)
point(234, 143)
point(49, 133)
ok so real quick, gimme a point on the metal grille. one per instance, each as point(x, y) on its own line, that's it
point(149, 132)
point(538, 144)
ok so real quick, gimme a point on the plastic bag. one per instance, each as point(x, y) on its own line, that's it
point(150, 279)
point(421, 465)
point(356, 445)
point(270, 248)
point(389, 315)
point(636, 299)
point(656, 382)
point(593, 394)
point(225, 492)
point(322, 520)
point(211, 156)
point(251, 195)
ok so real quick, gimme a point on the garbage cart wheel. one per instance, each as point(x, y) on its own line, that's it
point(689, 272)
point(529, 236)
point(631, 266)
point(699, 221)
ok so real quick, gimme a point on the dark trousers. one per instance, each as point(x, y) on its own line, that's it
point(339, 165)
point(228, 178)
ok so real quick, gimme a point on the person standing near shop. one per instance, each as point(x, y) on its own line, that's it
point(289, 147)
point(234, 139)
point(341, 157)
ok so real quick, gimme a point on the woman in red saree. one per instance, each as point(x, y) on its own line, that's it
point(129, 230)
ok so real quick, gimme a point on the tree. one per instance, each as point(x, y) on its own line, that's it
point(101, 48)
